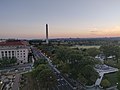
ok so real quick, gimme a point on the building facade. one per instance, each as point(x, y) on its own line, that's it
point(17, 49)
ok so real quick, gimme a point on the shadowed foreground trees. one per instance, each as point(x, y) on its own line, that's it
point(4, 62)
point(39, 61)
point(44, 76)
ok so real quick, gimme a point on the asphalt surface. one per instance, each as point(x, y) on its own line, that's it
point(16, 82)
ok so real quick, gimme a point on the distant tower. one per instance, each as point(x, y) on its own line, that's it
point(47, 34)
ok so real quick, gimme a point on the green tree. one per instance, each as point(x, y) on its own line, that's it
point(73, 62)
point(82, 79)
point(105, 83)
point(44, 76)
point(38, 69)
point(111, 50)
point(7, 61)
point(88, 72)
point(39, 61)
point(116, 52)
point(75, 57)
point(87, 60)
point(13, 60)
point(62, 53)
point(106, 49)
point(93, 52)
point(64, 67)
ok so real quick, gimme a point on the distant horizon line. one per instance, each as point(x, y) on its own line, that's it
point(57, 38)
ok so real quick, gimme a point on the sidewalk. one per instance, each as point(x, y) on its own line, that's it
point(103, 71)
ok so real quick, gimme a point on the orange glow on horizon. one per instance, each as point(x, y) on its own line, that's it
point(64, 32)
point(91, 33)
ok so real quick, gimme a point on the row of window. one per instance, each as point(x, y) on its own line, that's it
point(13, 54)
point(12, 51)
point(21, 51)
point(9, 52)
point(21, 56)
point(12, 46)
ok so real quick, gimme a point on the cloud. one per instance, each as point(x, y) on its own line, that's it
point(94, 31)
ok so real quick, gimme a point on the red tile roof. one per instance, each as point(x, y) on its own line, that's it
point(13, 43)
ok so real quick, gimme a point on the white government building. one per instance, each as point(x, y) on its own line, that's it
point(18, 49)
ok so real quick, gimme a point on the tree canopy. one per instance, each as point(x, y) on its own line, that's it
point(73, 62)
point(111, 50)
point(44, 75)
point(4, 62)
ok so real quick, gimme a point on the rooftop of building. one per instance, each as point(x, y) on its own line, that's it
point(14, 43)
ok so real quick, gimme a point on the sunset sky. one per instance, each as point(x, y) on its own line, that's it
point(66, 18)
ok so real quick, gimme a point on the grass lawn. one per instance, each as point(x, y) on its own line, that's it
point(113, 63)
point(112, 78)
point(85, 47)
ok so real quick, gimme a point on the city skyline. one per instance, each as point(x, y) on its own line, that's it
point(66, 18)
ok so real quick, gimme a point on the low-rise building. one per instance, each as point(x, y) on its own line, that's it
point(18, 49)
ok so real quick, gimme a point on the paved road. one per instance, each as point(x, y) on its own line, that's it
point(16, 82)
point(98, 81)
point(12, 68)
point(62, 84)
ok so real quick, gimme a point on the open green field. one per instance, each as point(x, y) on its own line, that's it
point(112, 78)
point(85, 47)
